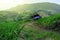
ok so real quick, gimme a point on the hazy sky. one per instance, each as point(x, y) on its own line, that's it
point(6, 4)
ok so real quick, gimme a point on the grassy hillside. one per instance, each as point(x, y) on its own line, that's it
point(26, 29)
point(16, 26)
point(9, 16)
point(51, 22)
point(37, 6)
point(31, 30)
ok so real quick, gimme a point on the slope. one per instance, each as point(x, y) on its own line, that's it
point(37, 6)
point(32, 31)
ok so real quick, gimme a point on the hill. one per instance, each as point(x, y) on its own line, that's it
point(51, 7)
point(9, 16)
point(14, 26)
point(29, 30)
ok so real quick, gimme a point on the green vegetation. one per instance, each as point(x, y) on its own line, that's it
point(8, 30)
point(11, 30)
point(31, 33)
point(49, 7)
point(50, 22)
point(16, 23)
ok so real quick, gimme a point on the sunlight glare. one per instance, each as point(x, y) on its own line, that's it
point(6, 4)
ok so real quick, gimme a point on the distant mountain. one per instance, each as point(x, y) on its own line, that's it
point(37, 6)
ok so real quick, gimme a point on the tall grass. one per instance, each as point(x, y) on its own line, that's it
point(49, 22)
point(8, 30)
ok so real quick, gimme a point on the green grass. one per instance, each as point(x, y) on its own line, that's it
point(50, 21)
point(10, 30)
point(30, 33)
point(7, 30)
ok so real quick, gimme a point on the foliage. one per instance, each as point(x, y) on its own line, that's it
point(12, 23)
point(7, 30)
point(49, 22)
point(32, 33)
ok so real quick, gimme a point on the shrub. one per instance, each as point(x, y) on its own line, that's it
point(50, 22)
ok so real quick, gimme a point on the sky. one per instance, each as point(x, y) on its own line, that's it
point(6, 4)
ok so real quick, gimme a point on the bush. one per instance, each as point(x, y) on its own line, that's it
point(50, 22)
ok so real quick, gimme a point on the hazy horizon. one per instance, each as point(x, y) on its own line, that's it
point(6, 4)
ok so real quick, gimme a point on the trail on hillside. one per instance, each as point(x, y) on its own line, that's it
point(35, 26)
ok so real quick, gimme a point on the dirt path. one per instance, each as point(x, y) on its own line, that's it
point(35, 25)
